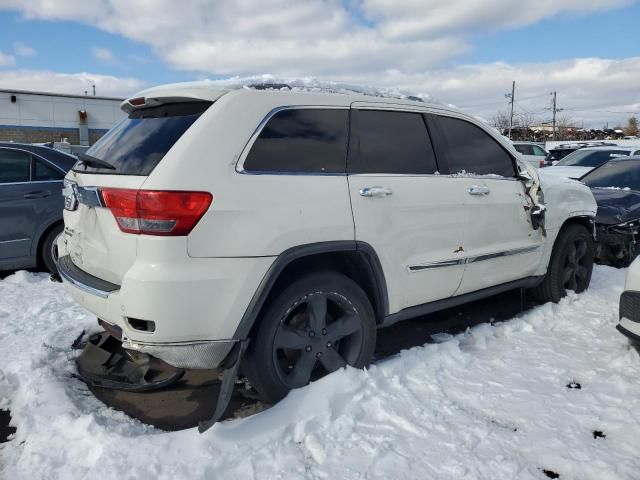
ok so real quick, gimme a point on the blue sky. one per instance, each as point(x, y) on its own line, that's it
point(465, 52)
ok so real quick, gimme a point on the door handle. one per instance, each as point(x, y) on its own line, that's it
point(375, 191)
point(478, 190)
point(38, 194)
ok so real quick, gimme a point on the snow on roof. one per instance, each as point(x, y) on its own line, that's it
point(312, 84)
point(305, 84)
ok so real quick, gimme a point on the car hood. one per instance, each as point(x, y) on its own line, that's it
point(569, 172)
point(616, 206)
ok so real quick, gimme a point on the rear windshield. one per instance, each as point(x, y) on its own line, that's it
point(136, 145)
point(590, 158)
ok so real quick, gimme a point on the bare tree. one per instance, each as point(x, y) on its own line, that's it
point(523, 121)
point(632, 127)
point(565, 129)
point(500, 120)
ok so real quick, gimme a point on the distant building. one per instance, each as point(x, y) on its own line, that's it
point(36, 117)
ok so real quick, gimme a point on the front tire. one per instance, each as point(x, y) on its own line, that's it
point(570, 266)
point(318, 324)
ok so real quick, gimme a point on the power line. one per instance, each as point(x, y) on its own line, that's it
point(501, 101)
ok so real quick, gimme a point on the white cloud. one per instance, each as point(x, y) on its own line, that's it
point(6, 60)
point(593, 90)
point(72, 83)
point(429, 18)
point(23, 50)
point(103, 54)
point(319, 37)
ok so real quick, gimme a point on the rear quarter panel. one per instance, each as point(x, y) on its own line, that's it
point(252, 214)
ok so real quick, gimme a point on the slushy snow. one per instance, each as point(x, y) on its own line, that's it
point(491, 403)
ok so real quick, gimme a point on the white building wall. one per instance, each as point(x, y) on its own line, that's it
point(33, 109)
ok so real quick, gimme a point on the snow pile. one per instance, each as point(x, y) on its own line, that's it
point(492, 403)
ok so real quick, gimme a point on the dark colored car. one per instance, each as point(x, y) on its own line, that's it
point(560, 151)
point(616, 188)
point(31, 203)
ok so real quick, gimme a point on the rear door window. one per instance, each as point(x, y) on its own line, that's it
point(390, 142)
point(14, 166)
point(138, 143)
point(471, 150)
point(309, 140)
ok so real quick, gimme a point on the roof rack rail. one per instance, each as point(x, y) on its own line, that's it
point(338, 88)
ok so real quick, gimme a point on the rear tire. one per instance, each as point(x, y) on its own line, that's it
point(318, 324)
point(46, 253)
point(570, 266)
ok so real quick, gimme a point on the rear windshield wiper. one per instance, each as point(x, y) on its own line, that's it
point(90, 161)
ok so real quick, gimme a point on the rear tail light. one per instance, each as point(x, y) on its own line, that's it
point(156, 212)
point(541, 164)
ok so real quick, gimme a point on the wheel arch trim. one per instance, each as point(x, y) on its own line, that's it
point(308, 250)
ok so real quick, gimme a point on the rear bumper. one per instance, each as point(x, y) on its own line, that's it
point(630, 314)
point(195, 304)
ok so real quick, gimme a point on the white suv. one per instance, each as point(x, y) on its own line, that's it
point(303, 221)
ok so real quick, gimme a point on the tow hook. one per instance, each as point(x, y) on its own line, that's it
point(226, 389)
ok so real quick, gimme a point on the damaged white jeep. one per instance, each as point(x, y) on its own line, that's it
point(274, 231)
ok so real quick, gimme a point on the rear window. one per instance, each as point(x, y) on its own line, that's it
point(136, 145)
point(312, 140)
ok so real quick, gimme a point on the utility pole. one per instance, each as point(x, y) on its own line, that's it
point(512, 97)
point(555, 110)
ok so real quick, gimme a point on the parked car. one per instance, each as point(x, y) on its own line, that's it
point(303, 221)
point(581, 162)
point(616, 188)
point(558, 152)
point(629, 311)
point(31, 203)
point(532, 153)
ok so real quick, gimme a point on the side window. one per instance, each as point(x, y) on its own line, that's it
point(471, 150)
point(14, 166)
point(310, 140)
point(537, 151)
point(390, 142)
point(524, 149)
point(43, 172)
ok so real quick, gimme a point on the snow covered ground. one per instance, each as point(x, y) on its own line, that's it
point(491, 403)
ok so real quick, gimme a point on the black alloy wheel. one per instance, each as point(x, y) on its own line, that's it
point(315, 326)
point(577, 272)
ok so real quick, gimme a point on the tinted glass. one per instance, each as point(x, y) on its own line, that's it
point(44, 172)
point(616, 174)
point(14, 166)
point(590, 158)
point(524, 149)
point(471, 150)
point(301, 140)
point(390, 142)
point(136, 145)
